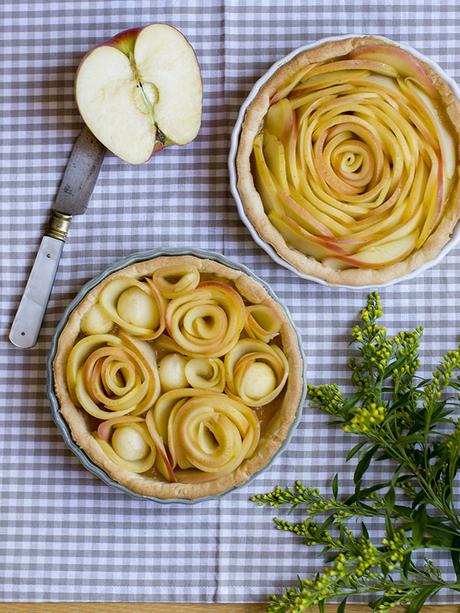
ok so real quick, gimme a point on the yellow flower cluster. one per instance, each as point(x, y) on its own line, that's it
point(366, 418)
point(368, 558)
point(395, 548)
point(326, 582)
point(373, 310)
point(453, 442)
point(441, 377)
point(329, 397)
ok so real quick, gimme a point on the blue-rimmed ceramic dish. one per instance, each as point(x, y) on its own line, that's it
point(55, 405)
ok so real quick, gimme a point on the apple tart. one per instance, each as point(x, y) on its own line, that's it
point(180, 377)
point(348, 161)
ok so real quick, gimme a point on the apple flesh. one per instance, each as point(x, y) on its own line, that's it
point(141, 91)
point(404, 63)
point(376, 256)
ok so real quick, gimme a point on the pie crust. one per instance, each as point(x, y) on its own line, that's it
point(254, 207)
point(273, 433)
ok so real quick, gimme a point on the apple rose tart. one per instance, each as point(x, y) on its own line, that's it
point(348, 162)
point(180, 377)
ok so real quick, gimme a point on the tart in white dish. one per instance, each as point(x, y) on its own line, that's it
point(347, 162)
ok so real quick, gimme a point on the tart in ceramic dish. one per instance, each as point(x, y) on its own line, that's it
point(348, 161)
point(179, 376)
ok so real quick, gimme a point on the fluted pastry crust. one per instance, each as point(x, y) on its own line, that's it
point(252, 201)
point(273, 433)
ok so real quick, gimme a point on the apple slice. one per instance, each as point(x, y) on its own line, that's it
point(302, 240)
point(403, 62)
point(378, 67)
point(162, 461)
point(378, 256)
point(141, 91)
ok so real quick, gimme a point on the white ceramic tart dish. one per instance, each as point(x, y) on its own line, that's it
point(176, 377)
point(344, 162)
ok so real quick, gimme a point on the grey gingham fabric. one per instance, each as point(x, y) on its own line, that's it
point(64, 534)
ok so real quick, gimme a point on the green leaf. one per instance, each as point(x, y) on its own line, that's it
point(389, 525)
point(363, 464)
point(418, 526)
point(443, 535)
point(342, 605)
point(390, 499)
point(335, 485)
point(402, 510)
point(365, 493)
point(422, 596)
point(405, 565)
point(354, 450)
point(455, 555)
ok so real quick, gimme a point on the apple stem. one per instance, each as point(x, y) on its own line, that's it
point(160, 137)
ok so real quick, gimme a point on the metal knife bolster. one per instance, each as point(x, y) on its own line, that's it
point(58, 225)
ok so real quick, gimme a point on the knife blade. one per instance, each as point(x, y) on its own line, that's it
point(72, 198)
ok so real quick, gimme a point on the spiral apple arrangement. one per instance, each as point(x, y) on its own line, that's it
point(174, 369)
point(355, 159)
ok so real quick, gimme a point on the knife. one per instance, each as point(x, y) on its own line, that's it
point(72, 199)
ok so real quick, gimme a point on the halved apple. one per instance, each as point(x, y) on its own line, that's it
point(141, 91)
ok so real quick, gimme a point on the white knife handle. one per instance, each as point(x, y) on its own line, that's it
point(27, 323)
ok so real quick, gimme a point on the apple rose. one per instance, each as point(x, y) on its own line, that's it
point(256, 372)
point(206, 373)
point(127, 442)
point(262, 322)
point(205, 431)
point(135, 306)
point(163, 407)
point(355, 160)
point(110, 376)
point(175, 280)
point(206, 321)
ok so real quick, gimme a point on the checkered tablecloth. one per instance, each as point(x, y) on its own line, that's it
point(64, 534)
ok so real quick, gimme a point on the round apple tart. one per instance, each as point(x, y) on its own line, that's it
point(178, 376)
point(348, 161)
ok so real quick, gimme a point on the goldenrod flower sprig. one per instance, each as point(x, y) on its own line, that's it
point(412, 425)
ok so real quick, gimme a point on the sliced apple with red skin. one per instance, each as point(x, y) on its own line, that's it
point(374, 66)
point(445, 139)
point(302, 240)
point(378, 256)
point(306, 216)
point(162, 461)
point(281, 121)
point(275, 159)
point(434, 196)
point(141, 91)
point(263, 179)
point(288, 86)
point(405, 64)
point(329, 79)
